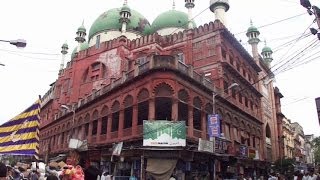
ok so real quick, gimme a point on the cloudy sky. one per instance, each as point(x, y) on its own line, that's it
point(46, 25)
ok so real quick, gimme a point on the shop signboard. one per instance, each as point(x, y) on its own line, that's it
point(243, 151)
point(206, 146)
point(214, 125)
point(252, 153)
point(164, 133)
point(222, 146)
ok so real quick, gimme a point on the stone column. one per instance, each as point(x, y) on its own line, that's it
point(174, 112)
point(121, 124)
point(135, 120)
point(109, 127)
point(90, 132)
point(190, 121)
point(99, 129)
point(203, 125)
point(152, 109)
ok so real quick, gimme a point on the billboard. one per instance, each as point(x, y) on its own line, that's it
point(164, 133)
point(214, 125)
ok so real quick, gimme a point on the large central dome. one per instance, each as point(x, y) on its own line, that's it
point(171, 19)
point(109, 20)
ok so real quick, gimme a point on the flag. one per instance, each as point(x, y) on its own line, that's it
point(20, 135)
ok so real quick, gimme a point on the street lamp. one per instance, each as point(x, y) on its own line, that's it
point(19, 43)
point(73, 115)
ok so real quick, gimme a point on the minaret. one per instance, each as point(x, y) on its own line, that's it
point(267, 54)
point(189, 5)
point(220, 7)
point(253, 35)
point(81, 35)
point(125, 15)
point(64, 51)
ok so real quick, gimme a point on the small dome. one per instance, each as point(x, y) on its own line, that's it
point(83, 47)
point(125, 8)
point(109, 20)
point(267, 49)
point(252, 29)
point(171, 18)
point(82, 28)
point(65, 46)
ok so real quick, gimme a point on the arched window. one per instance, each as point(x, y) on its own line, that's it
point(143, 106)
point(163, 102)
point(128, 112)
point(115, 116)
point(95, 117)
point(183, 114)
point(197, 113)
point(86, 126)
point(104, 121)
point(268, 131)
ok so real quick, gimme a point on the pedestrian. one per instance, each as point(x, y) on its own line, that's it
point(3, 171)
point(52, 177)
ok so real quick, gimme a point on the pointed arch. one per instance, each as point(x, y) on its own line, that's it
point(268, 131)
point(163, 90)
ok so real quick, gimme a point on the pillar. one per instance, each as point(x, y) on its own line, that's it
point(174, 112)
point(190, 121)
point(99, 129)
point(152, 109)
point(135, 120)
point(121, 124)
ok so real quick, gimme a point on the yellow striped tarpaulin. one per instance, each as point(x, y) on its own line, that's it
point(20, 135)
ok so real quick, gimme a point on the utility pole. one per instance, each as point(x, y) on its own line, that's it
point(312, 10)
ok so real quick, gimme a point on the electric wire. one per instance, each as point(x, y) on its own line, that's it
point(295, 42)
point(297, 54)
point(295, 62)
point(272, 23)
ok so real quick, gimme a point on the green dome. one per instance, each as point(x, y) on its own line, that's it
point(252, 29)
point(126, 8)
point(65, 45)
point(83, 47)
point(267, 49)
point(82, 29)
point(109, 20)
point(171, 18)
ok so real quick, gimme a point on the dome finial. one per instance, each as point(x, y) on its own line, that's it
point(173, 5)
point(251, 23)
point(125, 2)
point(265, 42)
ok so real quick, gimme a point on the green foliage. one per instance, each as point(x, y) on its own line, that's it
point(316, 146)
point(284, 165)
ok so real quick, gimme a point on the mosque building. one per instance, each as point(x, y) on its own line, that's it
point(136, 95)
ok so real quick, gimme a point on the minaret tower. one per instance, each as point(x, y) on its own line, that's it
point(81, 35)
point(125, 15)
point(220, 7)
point(64, 51)
point(253, 35)
point(267, 54)
point(189, 5)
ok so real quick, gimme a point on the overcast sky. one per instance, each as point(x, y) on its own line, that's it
point(46, 25)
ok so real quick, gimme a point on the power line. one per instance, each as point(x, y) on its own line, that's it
point(293, 63)
point(276, 22)
point(291, 59)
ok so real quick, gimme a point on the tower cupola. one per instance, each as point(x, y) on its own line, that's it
point(267, 54)
point(125, 14)
point(189, 4)
point(253, 39)
point(64, 51)
point(81, 34)
point(219, 8)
